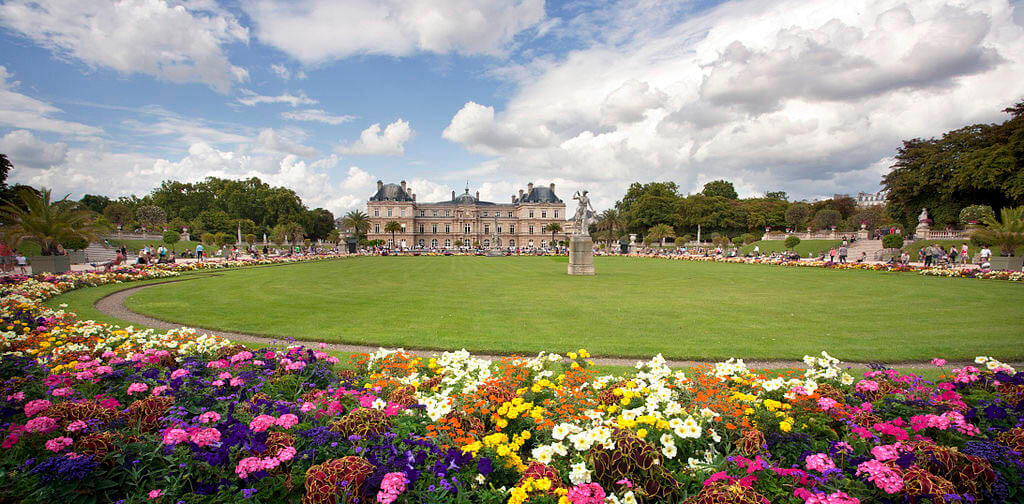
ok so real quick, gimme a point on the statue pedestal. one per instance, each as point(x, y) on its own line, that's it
point(581, 255)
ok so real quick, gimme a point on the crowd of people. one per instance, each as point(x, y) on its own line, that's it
point(11, 260)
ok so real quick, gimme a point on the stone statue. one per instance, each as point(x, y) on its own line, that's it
point(581, 220)
point(924, 215)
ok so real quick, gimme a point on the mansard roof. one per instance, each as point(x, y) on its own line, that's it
point(540, 195)
point(391, 192)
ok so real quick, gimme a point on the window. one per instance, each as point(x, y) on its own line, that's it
point(543, 214)
point(376, 228)
point(403, 228)
point(487, 243)
point(422, 213)
point(556, 214)
point(499, 228)
point(446, 214)
point(531, 243)
point(531, 230)
point(435, 213)
point(466, 229)
point(447, 244)
point(531, 213)
point(511, 243)
point(403, 212)
point(389, 213)
point(391, 243)
point(376, 212)
point(512, 229)
point(447, 229)
point(487, 229)
point(421, 243)
point(510, 215)
point(434, 229)
point(485, 214)
point(421, 230)
point(433, 243)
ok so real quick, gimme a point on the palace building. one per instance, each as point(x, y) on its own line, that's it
point(465, 219)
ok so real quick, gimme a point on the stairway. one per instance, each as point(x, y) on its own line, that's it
point(872, 247)
point(97, 253)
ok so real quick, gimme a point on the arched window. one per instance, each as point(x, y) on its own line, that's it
point(531, 243)
point(447, 244)
point(421, 243)
point(511, 243)
point(433, 243)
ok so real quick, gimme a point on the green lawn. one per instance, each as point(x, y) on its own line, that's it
point(804, 248)
point(633, 307)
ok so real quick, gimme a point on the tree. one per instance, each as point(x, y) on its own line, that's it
point(457, 243)
point(661, 232)
point(791, 242)
point(318, 223)
point(171, 237)
point(151, 216)
point(251, 239)
point(358, 222)
point(975, 214)
point(777, 195)
point(553, 228)
point(393, 227)
point(334, 236)
point(5, 168)
point(721, 188)
point(209, 239)
point(827, 218)
point(871, 217)
point(117, 213)
point(797, 214)
point(648, 204)
point(94, 202)
point(45, 222)
point(611, 222)
point(1007, 233)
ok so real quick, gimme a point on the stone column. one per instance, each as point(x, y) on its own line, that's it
point(581, 255)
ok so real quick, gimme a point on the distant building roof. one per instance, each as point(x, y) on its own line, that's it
point(540, 195)
point(390, 192)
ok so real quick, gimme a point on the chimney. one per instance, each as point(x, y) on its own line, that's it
point(520, 194)
point(408, 189)
point(529, 187)
point(478, 195)
point(513, 198)
point(380, 185)
point(403, 186)
point(552, 188)
point(453, 195)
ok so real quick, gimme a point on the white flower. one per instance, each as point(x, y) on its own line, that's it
point(980, 360)
point(480, 479)
point(560, 431)
point(846, 379)
point(629, 498)
point(669, 451)
point(666, 439)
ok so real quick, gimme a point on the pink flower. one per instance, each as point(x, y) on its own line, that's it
point(63, 392)
point(57, 444)
point(224, 376)
point(391, 487)
point(175, 436)
point(204, 437)
point(625, 481)
point(307, 407)
point(826, 403)
point(262, 423)
point(241, 356)
point(178, 373)
point(881, 475)
point(36, 406)
point(84, 375)
point(321, 345)
point(17, 396)
point(159, 390)
point(295, 366)
point(236, 381)
point(285, 454)
point(137, 387)
point(217, 383)
point(76, 426)
point(41, 424)
point(287, 420)
point(937, 362)
point(589, 493)
point(867, 385)
point(832, 498)
point(820, 462)
point(209, 417)
point(155, 494)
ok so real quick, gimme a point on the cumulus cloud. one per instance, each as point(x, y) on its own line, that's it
point(274, 141)
point(373, 141)
point(251, 99)
point(167, 39)
point(807, 97)
point(314, 31)
point(24, 150)
point(21, 111)
point(316, 115)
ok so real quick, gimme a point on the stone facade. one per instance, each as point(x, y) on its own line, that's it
point(517, 224)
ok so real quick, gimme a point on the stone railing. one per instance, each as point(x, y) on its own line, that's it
point(943, 235)
point(816, 235)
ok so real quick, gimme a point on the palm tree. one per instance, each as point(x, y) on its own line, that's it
point(47, 223)
point(1008, 234)
point(392, 227)
point(611, 221)
point(660, 232)
point(553, 228)
point(358, 222)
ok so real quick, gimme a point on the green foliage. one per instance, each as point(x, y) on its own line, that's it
point(649, 204)
point(171, 237)
point(872, 217)
point(797, 214)
point(738, 241)
point(777, 195)
point(94, 202)
point(660, 232)
point(251, 238)
point(792, 242)
point(225, 238)
point(1007, 233)
point(356, 221)
point(722, 188)
point(892, 241)
point(826, 218)
point(74, 243)
point(117, 213)
point(209, 239)
point(151, 216)
point(975, 214)
point(977, 164)
point(749, 238)
point(40, 220)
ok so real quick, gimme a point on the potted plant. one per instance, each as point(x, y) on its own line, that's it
point(1006, 233)
point(47, 223)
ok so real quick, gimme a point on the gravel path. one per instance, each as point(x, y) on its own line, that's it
point(114, 306)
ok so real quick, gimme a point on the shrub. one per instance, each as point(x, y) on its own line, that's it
point(74, 243)
point(209, 239)
point(251, 238)
point(737, 241)
point(225, 238)
point(792, 242)
point(892, 241)
point(171, 237)
point(827, 218)
point(976, 214)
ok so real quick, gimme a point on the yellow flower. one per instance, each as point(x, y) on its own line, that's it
point(642, 433)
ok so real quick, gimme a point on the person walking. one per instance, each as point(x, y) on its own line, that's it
point(199, 252)
point(832, 255)
point(22, 263)
point(965, 257)
point(843, 252)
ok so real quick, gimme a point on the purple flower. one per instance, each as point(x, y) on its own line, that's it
point(485, 466)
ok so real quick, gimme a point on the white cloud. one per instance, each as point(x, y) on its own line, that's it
point(21, 111)
point(191, 131)
point(314, 31)
point(316, 115)
point(274, 141)
point(25, 150)
point(251, 99)
point(169, 40)
point(373, 141)
point(803, 96)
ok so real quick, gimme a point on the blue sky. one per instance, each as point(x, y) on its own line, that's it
point(326, 97)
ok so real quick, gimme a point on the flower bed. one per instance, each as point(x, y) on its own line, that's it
point(98, 413)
